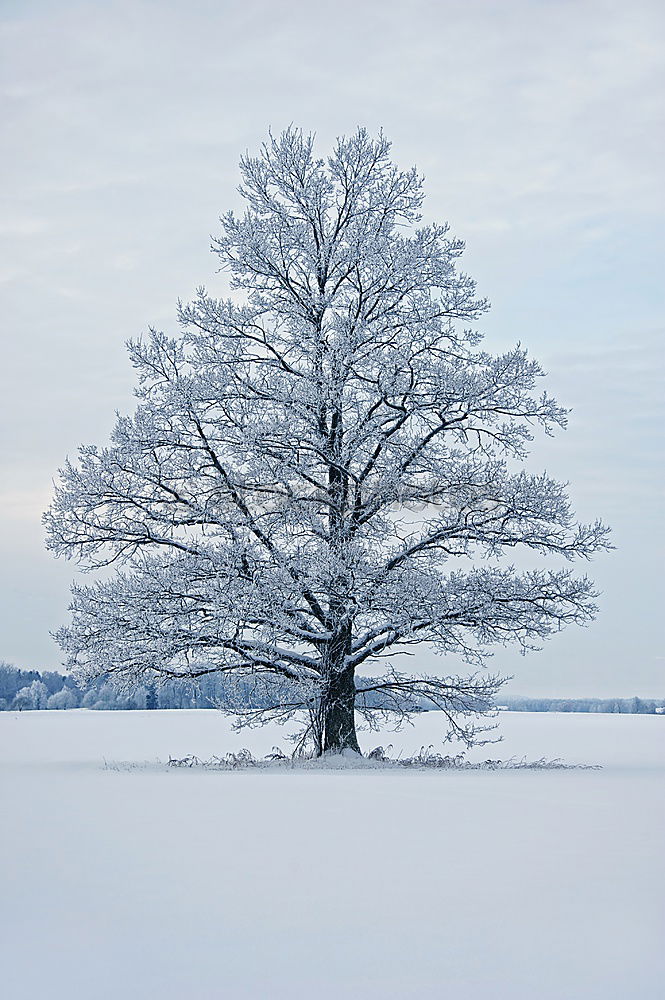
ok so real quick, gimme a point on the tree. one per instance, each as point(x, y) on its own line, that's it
point(53, 681)
point(12, 680)
point(151, 697)
point(63, 699)
point(315, 464)
point(31, 697)
point(23, 701)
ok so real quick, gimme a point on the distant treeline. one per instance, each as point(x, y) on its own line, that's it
point(623, 706)
point(26, 690)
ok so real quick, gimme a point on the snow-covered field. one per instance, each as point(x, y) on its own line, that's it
point(152, 882)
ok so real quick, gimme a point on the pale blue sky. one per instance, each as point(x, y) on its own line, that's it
point(539, 127)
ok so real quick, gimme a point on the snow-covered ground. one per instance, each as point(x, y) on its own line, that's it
point(147, 882)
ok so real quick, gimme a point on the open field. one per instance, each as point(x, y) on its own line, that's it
point(144, 881)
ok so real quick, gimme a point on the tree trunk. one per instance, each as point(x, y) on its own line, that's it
point(339, 689)
point(339, 724)
point(338, 698)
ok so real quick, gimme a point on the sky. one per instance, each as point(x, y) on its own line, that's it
point(539, 127)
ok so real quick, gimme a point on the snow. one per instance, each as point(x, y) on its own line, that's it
point(125, 879)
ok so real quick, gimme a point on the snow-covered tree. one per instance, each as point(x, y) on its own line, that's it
point(31, 697)
point(63, 699)
point(325, 469)
point(23, 701)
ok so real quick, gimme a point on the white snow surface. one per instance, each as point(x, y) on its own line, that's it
point(125, 879)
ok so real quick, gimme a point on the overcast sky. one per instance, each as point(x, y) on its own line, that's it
point(539, 127)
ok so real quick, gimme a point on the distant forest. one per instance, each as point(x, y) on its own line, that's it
point(623, 706)
point(27, 690)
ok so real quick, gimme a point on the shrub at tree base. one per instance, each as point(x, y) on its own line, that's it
point(426, 759)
